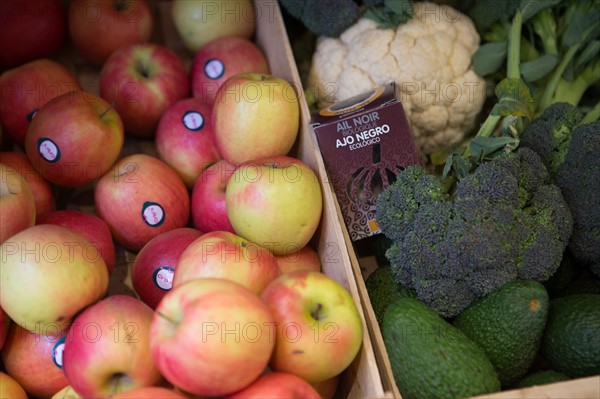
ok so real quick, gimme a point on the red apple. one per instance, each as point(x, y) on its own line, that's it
point(319, 327)
point(30, 30)
point(211, 337)
point(305, 258)
point(221, 254)
point(140, 198)
point(277, 386)
point(10, 388)
point(109, 25)
point(24, 89)
point(40, 187)
point(5, 323)
point(209, 211)
point(48, 274)
point(143, 80)
point(255, 108)
point(91, 227)
point(150, 393)
point(154, 266)
point(185, 140)
point(327, 388)
point(74, 139)
point(107, 348)
point(17, 204)
point(35, 360)
point(219, 60)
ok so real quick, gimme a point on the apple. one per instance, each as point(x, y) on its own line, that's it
point(201, 21)
point(35, 360)
point(275, 202)
point(305, 258)
point(211, 336)
point(17, 204)
point(221, 254)
point(74, 139)
point(5, 323)
point(91, 227)
point(209, 211)
point(277, 386)
point(220, 59)
point(319, 328)
point(255, 116)
point(40, 187)
point(140, 198)
point(109, 25)
point(24, 89)
point(66, 393)
point(107, 348)
point(150, 393)
point(185, 140)
point(328, 388)
point(30, 30)
point(143, 80)
point(48, 274)
point(154, 266)
point(10, 388)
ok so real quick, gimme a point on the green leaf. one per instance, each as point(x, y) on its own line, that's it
point(530, 8)
point(589, 53)
point(489, 58)
point(580, 26)
point(481, 147)
point(486, 12)
point(514, 99)
point(401, 8)
point(534, 70)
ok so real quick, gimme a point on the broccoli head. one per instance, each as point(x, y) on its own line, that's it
point(578, 177)
point(503, 222)
point(324, 17)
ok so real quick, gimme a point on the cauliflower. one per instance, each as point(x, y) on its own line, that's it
point(429, 58)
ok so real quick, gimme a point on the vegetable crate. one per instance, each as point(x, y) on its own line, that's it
point(362, 378)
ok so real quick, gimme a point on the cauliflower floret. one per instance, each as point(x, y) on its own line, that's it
point(429, 58)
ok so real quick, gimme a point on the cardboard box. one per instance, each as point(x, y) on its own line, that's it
point(365, 142)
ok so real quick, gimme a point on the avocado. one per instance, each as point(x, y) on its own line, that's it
point(508, 324)
point(430, 358)
point(541, 377)
point(383, 290)
point(571, 340)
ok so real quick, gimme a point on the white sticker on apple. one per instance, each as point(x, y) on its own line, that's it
point(214, 68)
point(48, 150)
point(57, 353)
point(163, 277)
point(193, 120)
point(153, 214)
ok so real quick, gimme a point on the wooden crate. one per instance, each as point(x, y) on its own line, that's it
point(362, 378)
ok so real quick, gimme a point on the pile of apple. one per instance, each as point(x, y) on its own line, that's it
point(230, 300)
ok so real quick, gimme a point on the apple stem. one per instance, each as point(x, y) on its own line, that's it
point(112, 105)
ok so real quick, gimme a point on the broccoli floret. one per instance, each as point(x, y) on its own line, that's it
point(504, 221)
point(324, 17)
point(579, 180)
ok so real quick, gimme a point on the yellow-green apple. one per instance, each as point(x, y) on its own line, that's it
point(209, 211)
point(91, 227)
point(185, 140)
point(255, 116)
point(118, 22)
point(74, 139)
point(305, 258)
point(140, 198)
point(277, 386)
point(143, 80)
point(35, 360)
point(201, 21)
point(328, 388)
point(154, 266)
point(17, 203)
point(48, 274)
point(67, 393)
point(24, 89)
point(5, 323)
point(31, 30)
point(40, 187)
point(211, 337)
point(275, 202)
point(150, 393)
point(10, 388)
point(107, 349)
point(319, 328)
point(221, 254)
point(220, 59)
